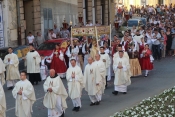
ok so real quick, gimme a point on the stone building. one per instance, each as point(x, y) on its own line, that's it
point(103, 11)
point(22, 16)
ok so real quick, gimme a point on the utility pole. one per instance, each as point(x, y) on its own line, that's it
point(18, 22)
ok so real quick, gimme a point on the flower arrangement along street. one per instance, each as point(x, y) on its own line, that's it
point(162, 105)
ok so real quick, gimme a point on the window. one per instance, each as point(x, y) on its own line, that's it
point(48, 20)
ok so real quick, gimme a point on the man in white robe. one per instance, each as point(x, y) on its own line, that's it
point(72, 53)
point(116, 55)
point(33, 60)
point(24, 94)
point(122, 74)
point(102, 69)
point(105, 58)
point(12, 73)
point(93, 82)
point(2, 70)
point(55, 97)
point(2, 102)
point(75, 83)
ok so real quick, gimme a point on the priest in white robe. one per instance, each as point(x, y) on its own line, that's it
point(116, 55)
point(122, 74)
point(33, 60)
point(102, 69)
point(2, 102)
point(93, 82)
point(12, 73)
point(55, 97)
point(24, 95)
point(75, 84)
point(2, 70)
point(106, 59)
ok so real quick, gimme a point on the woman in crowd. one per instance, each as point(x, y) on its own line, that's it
point(58, 62)
point(145, 61)
point(169, 41)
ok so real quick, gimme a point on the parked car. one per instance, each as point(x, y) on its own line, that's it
point(128, 25)
point(21, 51)
point(47, 47)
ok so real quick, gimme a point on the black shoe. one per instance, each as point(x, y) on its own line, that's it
point(74, 109)
point(145, 75)
point(115, 92)
point(124, 93)
point(92, 104)
point(97, 103)
point(10, 88)
point(62, 114)
point(77, 109)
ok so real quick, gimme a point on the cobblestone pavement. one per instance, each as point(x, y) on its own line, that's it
point(162, 77)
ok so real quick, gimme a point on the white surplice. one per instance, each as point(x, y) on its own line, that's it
point(107, 59)
point(25, 101)
point(2, 70)
point(12, 72)
point(75, 85)
point(44, 69)
point(102, 69)
point(2, 102)
point(33, 65)
point(55, 101)
point(122, 76)
point(92, 77)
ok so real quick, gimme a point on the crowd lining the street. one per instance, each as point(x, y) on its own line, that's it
point(89, 63)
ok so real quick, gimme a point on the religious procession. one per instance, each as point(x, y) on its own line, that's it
point(90, 59)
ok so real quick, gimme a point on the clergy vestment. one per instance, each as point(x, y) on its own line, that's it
point(25, 101)
point(102, 69)
point(2, 102)
point(92, 77)
point(2, 70)
point(73, 54)
point(104, 56)
point(12, 72)
point(75, 85)
point(55, 101)
point(33, 66)
point(116, 55)
point(122, 76)
point(86, 51)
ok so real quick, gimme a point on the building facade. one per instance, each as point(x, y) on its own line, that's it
point(18, 17)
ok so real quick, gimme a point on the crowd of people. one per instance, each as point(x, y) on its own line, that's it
point(89, 64)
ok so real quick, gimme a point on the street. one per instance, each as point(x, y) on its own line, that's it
point(162, 77)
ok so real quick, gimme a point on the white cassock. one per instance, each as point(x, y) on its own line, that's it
point(116, 55)
point(73, 54)
point(109, 52)
point(122, 76)
point(105, 56)
point(102, 69)
point(25, 101)
point(44, 69)
point(92, 77)
point(75, 85)
point(55, 101)
point(33, 66)
point(12, 72)
point(2, 102)
point(2, 70)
